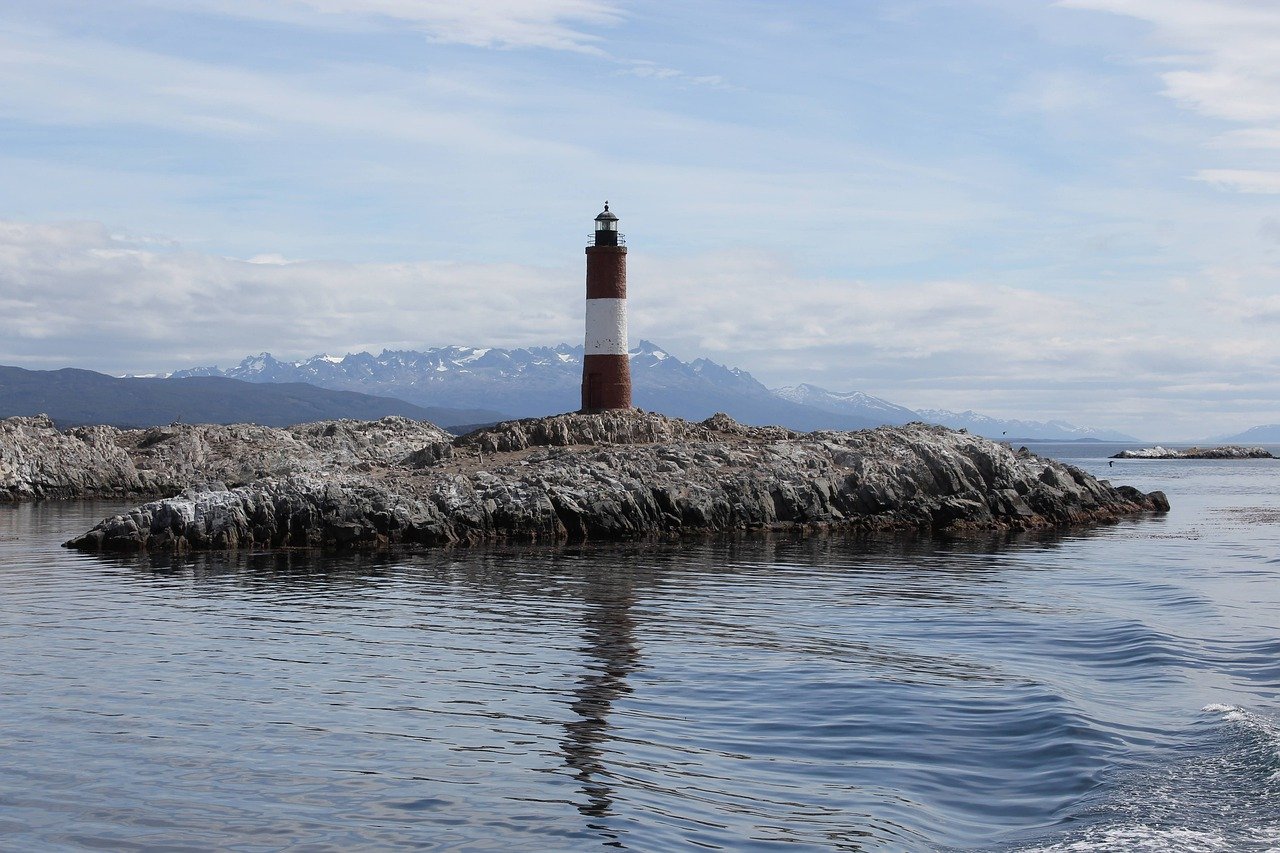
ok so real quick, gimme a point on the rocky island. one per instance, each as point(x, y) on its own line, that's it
point(569, 478)
point(1231, 451)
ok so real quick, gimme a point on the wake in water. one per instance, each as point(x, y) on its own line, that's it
point(1224, 796)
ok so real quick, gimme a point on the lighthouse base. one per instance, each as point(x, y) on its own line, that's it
point(606, 382)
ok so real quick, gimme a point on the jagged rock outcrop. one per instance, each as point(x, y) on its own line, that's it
point(1233, 451)
point(39, 461)
point(612, 427)
point(618, 475)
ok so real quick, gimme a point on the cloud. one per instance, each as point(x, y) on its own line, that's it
point(1224, 67)
point(61, 80)
point(75, 294)
point(1125, 361)
point(983, 233)
point(1242, 180)
point(504, 24)
point(645, 68)
point(79, 294)
point(1253, 138)
point(548, 24)
point(346, 156)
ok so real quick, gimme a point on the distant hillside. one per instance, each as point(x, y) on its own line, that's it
point(83, 397)
point(1264, 434)
point(1011, 428)
point(850, 402)
point(978, 424)
point(540, 381)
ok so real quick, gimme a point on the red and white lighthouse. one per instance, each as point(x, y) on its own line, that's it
point(606, 370)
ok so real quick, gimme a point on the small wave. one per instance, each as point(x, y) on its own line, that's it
point(1257, 724)
point(1222, 797)
point(1120, 649)
point(1230, 712)
point(1265, 733)
point(1257, 661)
point(1141, 839)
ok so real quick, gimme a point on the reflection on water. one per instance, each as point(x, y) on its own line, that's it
point(1026, 692)
point(610, 654)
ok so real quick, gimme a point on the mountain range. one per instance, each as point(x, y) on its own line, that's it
point(1263, 434)
point(73, 397)
point(985, 425)
point(535, 381)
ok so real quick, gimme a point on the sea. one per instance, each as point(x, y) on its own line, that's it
point(1109, 689)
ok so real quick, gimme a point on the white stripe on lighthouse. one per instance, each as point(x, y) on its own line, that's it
point(606, 327)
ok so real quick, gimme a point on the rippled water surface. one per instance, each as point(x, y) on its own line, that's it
point(1108, 690)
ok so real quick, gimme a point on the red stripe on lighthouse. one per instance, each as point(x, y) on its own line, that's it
point(606, 382)
point(606, 272)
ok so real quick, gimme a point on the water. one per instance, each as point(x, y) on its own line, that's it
point(1114, 689)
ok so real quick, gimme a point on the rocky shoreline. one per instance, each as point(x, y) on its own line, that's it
point(1231, 451)
point(569, 478)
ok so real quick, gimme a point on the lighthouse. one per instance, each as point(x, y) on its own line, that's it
point(606, 370)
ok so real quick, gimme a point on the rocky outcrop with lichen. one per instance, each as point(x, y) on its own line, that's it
point(608, 476)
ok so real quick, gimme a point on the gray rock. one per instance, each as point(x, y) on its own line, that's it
point(1231, 451)
point(39, 461)
point(609, 476)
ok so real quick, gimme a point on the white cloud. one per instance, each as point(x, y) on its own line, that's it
point(1242, 180)
point(550, 24)
point(1252, 138)
point(60, 80)
point(74, 294)
point(645, 68)
point(1224, 67)
point(1125, 361)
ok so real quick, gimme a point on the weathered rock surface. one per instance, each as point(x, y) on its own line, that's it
point(610, 476)
point(1232, 451)
point(613, 427)
point(39, 461)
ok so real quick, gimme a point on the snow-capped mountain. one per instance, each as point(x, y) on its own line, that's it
point(852, 402)
point(534, 381)
point(891, 413)
point(543, 380)
point(513, 382)
point(1261, 434)
point(986, 425)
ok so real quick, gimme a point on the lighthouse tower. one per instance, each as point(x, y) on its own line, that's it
point(606, 372)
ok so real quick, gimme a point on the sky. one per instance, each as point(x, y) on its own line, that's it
point(1029, 208)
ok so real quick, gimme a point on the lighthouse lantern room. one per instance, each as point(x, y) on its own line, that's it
point(606, 227)
point(606, 369)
